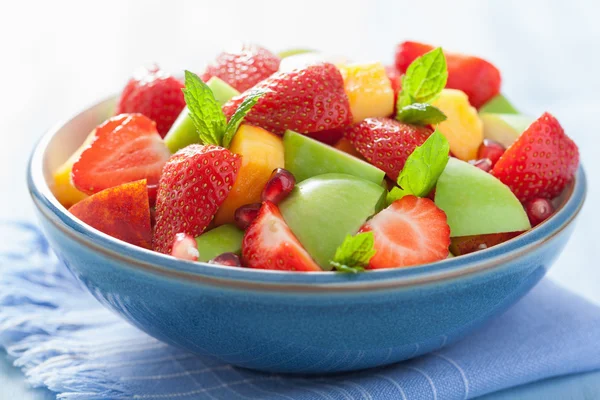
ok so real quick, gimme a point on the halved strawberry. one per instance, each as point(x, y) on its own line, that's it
point(410, 231)
point(305, 100)
point(386, 143)
point(122, 212)
point(127, 148)
point(479, 79)
point(194, 183)
point(243, 67)
point(540, 163)
point(155, 94)
point(469, 244)
point(270, 244)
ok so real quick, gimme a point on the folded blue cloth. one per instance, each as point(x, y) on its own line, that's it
point(64, 340)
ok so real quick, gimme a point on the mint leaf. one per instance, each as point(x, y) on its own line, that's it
point(424, 79)
point(354, 253)
point(205, 112)
point(239, 114)
point(422, 169)
point(420, 114)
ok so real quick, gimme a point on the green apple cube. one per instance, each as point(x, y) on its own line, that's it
point(498, 104)
point(292, 52)
point(222, 239)
point(477, 203)
point(321, 211)
point(183, 132)
point(306, 157)
point(504, 128)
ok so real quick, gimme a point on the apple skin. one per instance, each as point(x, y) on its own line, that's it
point(504, 128)
point(306, 157)
point(321, 211)
point(498, 104)
point(477, 203)
point(223, 239)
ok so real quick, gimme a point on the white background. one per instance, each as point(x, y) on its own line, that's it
point(58, 56)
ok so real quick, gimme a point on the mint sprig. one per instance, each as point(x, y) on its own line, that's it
point(420, 114)
point(422, 168)
point(207, 115)
point(354, 253)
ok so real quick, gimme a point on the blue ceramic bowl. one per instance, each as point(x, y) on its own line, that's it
point(286, 321)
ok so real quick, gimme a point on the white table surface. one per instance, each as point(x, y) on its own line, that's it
point(59, 56)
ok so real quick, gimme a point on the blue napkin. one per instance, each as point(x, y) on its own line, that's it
point(65, 341)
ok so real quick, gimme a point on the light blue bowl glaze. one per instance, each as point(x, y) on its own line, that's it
point(285, 321)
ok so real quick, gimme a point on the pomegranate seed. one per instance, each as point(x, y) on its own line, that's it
point(484, 164)
point(278, 186)
point(228, 259)
point(491, 150)
point(185, 247)
point(538, 210)
point(245, 214)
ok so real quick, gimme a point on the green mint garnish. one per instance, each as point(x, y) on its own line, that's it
point(207, 115)
point(420, 114)
point(422, 169)
point(423, 82)
point(354, 253)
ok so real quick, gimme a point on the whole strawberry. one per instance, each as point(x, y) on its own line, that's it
point(540, 163)
point(194, 183)
point(307, 100)
point(155, 94)
point(244, 67)
point(386, 143)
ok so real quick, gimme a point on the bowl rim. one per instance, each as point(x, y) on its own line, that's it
point(269, 280)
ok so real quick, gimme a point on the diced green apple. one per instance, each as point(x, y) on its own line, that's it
point(321, 211)
point(292, 52)
point(499, 105)
point(476, 202)
point(504, 128)
point(223, 239)
point(306, 157)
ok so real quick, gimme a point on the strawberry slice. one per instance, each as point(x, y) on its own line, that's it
point(386, 143)
point(469, 244)
point(479, 79)
point(194, 183)
point(410, 231)
point(155, 94)
point(307, 100)
point(127, 148)
point(270, 244)
point(540, 163)
point(244, 67)
point(122, 212)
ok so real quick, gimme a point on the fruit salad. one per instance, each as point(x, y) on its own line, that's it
point(300, 161)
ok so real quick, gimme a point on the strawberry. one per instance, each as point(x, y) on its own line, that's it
point(330, 137)
point(540, 163)
point(479, 79)
point(194, 183)
point(126, 148)
point(243, 68)
point(396, 78)
point(122, 212)
point(305, 100)
point(410, 231)
point(270, 244)
point(469, 244)
point(386, 143)
point(155, 94)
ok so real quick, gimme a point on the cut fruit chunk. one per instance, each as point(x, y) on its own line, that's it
point(122, 212)
point(223, 239)
point(305, 158)
point(261, 152)
point(504, 128)
point(411, 231)
point(324, 209)
point(369, 90)
point(270, 244)
point(303, 60)
point(292, 52)
point(183, 132)
point(468, 244)
point(477, 203)
point(184, 247)
point(499, 105)
point(463, 128)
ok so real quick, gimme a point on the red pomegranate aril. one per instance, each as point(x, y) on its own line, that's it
point(246, 214)
point(279, 186)
point(484, 164)
point(538, 210)
point(491, 150)
point(228, 259)
point(185, 247)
